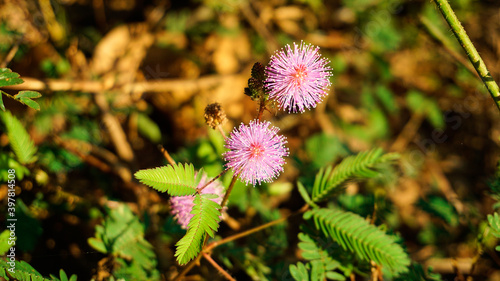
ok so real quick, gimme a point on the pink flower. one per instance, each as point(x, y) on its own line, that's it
point(183, 205)
point(256, 152)
point(298, 78)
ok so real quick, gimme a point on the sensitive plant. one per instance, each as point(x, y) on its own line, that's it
point(334, 243)
point(256, 154)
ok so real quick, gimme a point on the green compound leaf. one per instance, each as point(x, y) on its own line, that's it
point(121, 235)
point(299, 272)
point(20, 141)
point(26, 98)
point(23, 271)
point(9, 78)
point(494, 222)
point(357, 235)
point(358, 166)
point(27, 94)
point(321, 265)
point(176, 180)
point(205, 221)
point(31, 103)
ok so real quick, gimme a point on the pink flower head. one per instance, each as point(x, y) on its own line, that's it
point(298, 78)
point(183, 205)
point(256, 152)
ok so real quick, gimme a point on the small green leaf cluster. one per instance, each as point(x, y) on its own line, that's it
point(9, 78)
point(25, 272)
point(121, 235)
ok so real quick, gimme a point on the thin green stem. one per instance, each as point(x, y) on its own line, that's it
point(469, 48)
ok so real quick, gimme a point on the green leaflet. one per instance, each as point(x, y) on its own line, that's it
point(176, 180)
point(328, 180)
point(357, 235)
point(20, 141)
point(321, 265)
point(23, 272)
point(205, 221)
point(9, 78)
point(122, 236)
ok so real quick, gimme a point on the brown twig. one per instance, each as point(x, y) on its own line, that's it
point(259, 26)
point(229, 189)
point(228, 239)
point(218, 267)
point(166, 155)
point(91, 86)
point(115, 130)
point(211, 181)
point(10, 55)
point(408, 133)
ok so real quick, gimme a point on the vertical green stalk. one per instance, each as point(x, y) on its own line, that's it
point(469, 48)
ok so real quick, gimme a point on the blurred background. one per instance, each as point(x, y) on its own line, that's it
point(120, 77)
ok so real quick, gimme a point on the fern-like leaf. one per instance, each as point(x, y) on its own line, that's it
point(22, 271)
point(321, 264)
point(358, 166)
point(357, 235)
point(205, 221)
point(20, 140)
point(176, 180)
point(494, 221)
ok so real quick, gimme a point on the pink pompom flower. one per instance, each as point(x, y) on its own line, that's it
point(183, 205)
point(256, 152)
point(298, 78)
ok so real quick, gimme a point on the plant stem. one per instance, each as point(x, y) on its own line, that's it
point(211, 181)
point(166, 155)
point(229, 189)
point(212, 245)
point(262, 107)
point(192, 263)
point(218, 267)
point(469, 48)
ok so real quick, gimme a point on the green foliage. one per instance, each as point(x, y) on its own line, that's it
point(26, 98)
point(417, 273)
point(177, 180)
point(441, 208)
point(20, 141)
point(324, 149)
point(9, 78)
point(63, 276)
point(7, 162)
point(205, 221)
point(25, 272)
point(321, 264)
point(4, 242)
point(357, 235)
point(148, 128)
point(426, 106)
point(494, 222)
point(122, 236)
point(362, 165)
